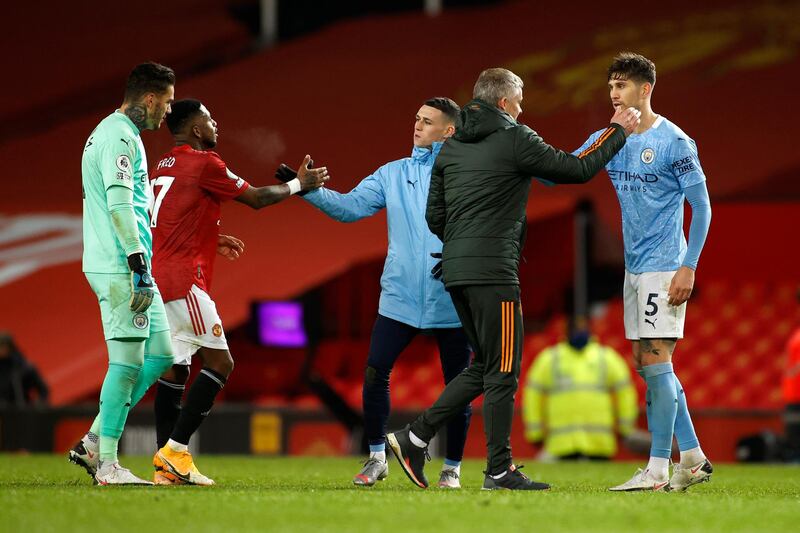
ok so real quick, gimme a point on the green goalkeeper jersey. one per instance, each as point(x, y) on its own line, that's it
point(113, 155)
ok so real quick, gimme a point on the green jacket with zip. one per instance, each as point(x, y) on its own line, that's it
point(479, 190)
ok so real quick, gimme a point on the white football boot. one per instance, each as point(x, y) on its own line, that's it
point(643, 481)
point(449, 479)
point(374, 470)
point(85, 454)
point(114, 474)
point(684, 477)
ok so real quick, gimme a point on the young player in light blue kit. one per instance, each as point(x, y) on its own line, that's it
point(653, 173)
point(412, 300)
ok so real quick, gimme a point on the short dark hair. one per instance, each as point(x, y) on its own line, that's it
point(182, 112)
point(632, 66)
point(148, 78)
point(445, 105)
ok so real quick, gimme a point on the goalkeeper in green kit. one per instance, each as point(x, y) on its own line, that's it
point(117, 252)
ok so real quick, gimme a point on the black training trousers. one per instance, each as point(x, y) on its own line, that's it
point(389, 339)
point(492, 319)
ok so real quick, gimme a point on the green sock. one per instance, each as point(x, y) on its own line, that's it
point(152, 369)
point(108, 449)
point(115, 402)
point(95, 425)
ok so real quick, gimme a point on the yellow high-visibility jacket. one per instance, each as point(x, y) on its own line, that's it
point(574, 400)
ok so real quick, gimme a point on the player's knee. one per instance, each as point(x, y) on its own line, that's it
point(179, 374)
point(219, 361)
point(655, 351)
point(169, 375)
point(374, 376)
point(228, 365)
point(499, 390)
point(649, 359)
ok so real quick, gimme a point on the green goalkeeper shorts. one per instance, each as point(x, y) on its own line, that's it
point(113, 292)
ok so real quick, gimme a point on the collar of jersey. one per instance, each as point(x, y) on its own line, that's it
point(426, 155)
point(656, 124)
point(128, 121)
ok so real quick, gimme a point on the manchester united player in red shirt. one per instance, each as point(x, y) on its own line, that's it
point(189, 184)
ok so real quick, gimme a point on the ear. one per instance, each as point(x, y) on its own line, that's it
point(647, 89)
point(502, 103)
point(196, 131)
point(449, 131)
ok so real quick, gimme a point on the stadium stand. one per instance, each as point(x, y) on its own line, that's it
point(92, 45)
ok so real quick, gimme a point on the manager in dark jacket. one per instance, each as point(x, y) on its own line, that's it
point(476, 206)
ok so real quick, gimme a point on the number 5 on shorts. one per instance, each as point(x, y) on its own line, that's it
point(651, 304)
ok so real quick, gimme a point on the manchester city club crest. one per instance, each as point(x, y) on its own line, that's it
point(140, 321)
point(648, 155)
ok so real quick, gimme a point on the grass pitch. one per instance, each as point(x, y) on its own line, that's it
point(46, 493)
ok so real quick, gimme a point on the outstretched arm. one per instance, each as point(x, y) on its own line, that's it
point(366, 199)
point(307, 179)
point(537, 158)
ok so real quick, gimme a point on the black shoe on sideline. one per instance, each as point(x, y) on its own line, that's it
point(412, 458)
point(512, 480)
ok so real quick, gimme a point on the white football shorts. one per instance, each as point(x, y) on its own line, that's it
point(647, 314)
point(194, 323)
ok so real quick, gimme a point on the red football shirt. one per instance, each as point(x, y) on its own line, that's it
point(188, 187)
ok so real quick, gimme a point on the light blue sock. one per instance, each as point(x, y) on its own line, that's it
point(684, 430)
point(452, 463)
point(664, 405)
point(377, 448)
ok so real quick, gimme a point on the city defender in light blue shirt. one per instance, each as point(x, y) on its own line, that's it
point(656, 170)
point(653, 174)
point(413, 299)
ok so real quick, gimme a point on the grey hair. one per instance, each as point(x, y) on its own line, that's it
point(495, 84)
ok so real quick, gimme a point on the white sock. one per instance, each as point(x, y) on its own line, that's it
point(91, 441)
point(105, 465)
point(416, 441)
point(658, 468)
point(380, 456)
point(451, 468)
point(692, 457)
point(177, 446)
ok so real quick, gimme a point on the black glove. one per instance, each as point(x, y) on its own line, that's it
point(285, 174)
point(141, 283)
point(436, 271)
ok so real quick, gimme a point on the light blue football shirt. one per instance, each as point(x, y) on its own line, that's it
point(650, 174)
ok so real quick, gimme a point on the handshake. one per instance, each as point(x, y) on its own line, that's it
point(307, 178)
